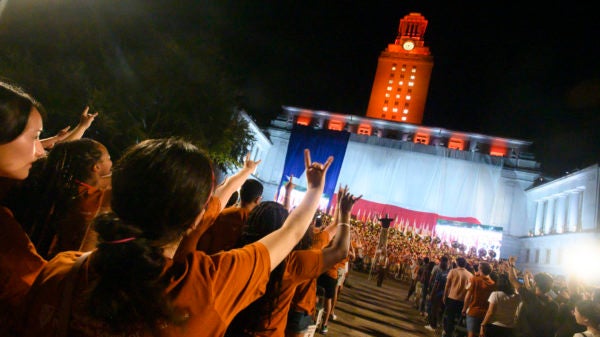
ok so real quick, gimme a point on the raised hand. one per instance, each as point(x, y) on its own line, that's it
point(87, 118)
point(250, 164)
point(289, 186)
point(347, 200)
point(315, 172)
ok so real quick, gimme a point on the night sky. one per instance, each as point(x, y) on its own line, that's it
point(500, 68)
point(530, 73)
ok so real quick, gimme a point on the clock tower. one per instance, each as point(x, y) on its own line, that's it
point(403, 72)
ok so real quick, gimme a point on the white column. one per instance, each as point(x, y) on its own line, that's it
point(549, 216)
point(539, 217)
point(573, 214)
point(560, 214)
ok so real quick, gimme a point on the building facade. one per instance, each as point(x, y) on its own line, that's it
point(394, 160)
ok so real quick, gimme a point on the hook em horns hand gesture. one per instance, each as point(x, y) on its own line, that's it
point(346, 200)
point(315, 172)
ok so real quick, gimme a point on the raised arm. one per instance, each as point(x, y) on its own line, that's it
point(281, 242)
point(85, 121)
point(331, 229)
point(48, 143)
point(233, 183)
point(338, 250)
point(287, 199)
point(512, 273)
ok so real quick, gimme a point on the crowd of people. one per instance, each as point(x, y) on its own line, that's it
point(460, 293)
point(155, 246)
point(147, 247)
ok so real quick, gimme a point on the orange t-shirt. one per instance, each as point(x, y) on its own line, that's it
point(189, 242)
point(71, 229)
point(19, 265)
point(225, 231)
point(211, 289)
point(301, 265)
point(305, 297)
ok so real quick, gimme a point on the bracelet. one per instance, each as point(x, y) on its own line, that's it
point(345, 224)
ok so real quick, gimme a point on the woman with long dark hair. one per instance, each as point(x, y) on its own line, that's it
point(499, 320)
point(21, 125)
point(130, 285)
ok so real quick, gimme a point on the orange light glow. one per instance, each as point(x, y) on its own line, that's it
point(303, 120)
point(364, 129)
point(335, 125)
point(497, 151)
point(456, 144)
point(422, 138)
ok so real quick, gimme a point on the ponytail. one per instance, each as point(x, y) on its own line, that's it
point(129, 290)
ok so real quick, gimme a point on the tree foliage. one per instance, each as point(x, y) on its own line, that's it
point(152, 69)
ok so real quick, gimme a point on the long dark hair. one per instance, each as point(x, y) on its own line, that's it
point(159, 187)
point(503, 284)
point(265, 218)
point(15, 107)
point(51, 188)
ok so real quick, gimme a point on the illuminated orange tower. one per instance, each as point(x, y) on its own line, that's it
point(403, 72)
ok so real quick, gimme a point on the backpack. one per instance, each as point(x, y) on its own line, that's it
point(440, 282)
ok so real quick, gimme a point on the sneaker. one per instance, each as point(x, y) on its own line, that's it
point(429, 327)
point(333, 317)
point(323, 330)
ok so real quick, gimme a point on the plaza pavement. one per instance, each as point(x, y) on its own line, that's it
point(364, 310)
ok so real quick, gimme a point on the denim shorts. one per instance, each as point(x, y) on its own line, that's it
point(298, 321)
point(474, 324)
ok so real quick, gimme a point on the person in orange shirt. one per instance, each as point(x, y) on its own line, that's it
point(302, 308)
point(20, 147)
point(227, 228)
point(215, 205)
point(268, 315)
point(131, 285)
point(63, 197)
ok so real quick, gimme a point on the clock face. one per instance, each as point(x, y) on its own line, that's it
point(408, 45)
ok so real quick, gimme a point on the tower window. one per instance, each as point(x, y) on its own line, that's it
point(385, 108)
point(394, 68)
point(391, 81)
point(405, 111)
point(401, 83)
point(389, 88)
point(408, 97)
point(411, 84)
point(403, 118)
